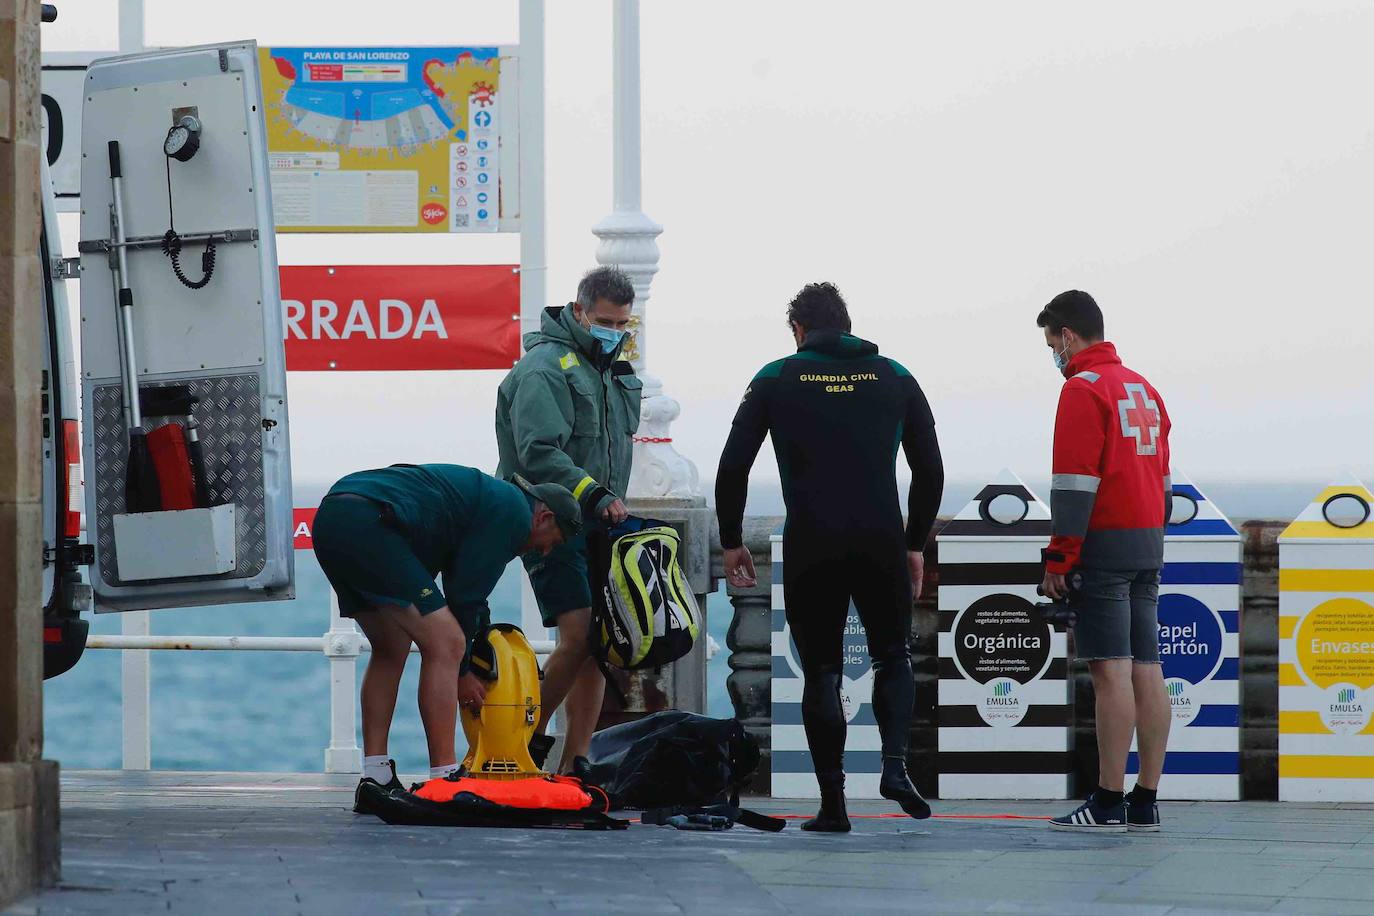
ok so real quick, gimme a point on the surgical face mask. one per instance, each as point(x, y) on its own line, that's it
point(1061, 361)
point(609, 337)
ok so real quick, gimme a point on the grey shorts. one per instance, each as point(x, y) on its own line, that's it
point(1118, 616)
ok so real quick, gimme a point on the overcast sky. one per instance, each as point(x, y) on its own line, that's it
point(1203, 169)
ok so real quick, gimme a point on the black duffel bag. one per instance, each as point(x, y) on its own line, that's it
point(673, 759)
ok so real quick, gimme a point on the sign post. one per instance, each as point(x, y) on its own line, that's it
point(1326, 649)
point(1005, 710)
point(1199, 646)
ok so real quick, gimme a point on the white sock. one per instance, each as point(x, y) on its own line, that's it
point(447, 769)
point(378, 768)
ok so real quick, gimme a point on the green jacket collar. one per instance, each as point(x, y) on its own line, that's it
point(837, 345)
point(558, 326)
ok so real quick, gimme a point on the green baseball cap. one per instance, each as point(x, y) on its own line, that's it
point(565, 509)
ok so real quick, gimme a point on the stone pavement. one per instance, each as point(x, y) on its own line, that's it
point(252, 843)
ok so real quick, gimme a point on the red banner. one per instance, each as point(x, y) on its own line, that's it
point(380, 318)
point(304, 525)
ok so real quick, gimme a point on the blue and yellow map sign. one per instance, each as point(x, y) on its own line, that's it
point(395, 139)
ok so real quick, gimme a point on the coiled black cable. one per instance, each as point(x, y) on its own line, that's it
point(171, 245)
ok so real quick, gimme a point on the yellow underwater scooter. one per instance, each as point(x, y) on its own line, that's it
point(499, 733)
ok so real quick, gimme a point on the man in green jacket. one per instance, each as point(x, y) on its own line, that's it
point(567, 414)
point(382, 536)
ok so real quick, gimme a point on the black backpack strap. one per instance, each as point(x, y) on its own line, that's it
point(759, 821)
point(599, 558)
point(736, 814)
point(611, 682)
point(753, 818)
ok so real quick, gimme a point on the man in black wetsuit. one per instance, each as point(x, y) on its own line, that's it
point(837, 411)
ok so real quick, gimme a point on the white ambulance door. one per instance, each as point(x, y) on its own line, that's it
point(188, 484)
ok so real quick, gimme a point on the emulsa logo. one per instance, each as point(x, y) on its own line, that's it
point(1182, 700)
point(433, 213)
point(1002, 703)
point(1346, 710)
point(1347, 702)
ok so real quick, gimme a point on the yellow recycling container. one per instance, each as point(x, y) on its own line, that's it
point(1326, 649)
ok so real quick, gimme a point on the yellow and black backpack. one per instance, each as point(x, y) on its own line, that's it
point(644, 614)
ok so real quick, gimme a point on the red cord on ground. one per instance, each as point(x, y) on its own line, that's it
point(967, 817)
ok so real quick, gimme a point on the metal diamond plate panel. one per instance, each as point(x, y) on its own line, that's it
point(230, 416)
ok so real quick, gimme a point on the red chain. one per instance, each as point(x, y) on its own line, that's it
point(652, 439)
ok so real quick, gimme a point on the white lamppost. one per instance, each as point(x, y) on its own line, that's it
point(628, 241)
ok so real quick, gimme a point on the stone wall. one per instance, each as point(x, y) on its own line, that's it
point(28, 785)
point(749, 642)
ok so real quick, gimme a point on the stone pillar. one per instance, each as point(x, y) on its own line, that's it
point(922, 752)
point(750, 641)
point(29, 852)
point(1259, 661)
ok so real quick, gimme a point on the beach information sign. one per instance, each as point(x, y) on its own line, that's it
point(383, 139)
point(1326, 649)
point(1199, 647)
point(1005, 708)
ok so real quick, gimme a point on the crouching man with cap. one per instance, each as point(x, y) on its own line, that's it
point(382, 536)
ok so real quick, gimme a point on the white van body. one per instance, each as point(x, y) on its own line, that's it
point(65, 593)
point(220, 345)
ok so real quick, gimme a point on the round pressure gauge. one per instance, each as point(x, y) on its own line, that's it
point(183, 139)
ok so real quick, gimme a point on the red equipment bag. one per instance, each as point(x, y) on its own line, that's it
point(172, 460)
point(538, 801)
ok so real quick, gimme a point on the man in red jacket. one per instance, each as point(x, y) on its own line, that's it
point(1110, 500)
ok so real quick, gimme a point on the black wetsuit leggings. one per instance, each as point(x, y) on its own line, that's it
point(820, 577)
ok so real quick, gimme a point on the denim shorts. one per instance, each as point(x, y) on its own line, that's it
point(1118, 616)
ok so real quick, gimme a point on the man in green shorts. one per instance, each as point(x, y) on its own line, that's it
point(567, 414)
point(381, 537)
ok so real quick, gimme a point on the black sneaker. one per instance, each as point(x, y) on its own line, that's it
point(1142, 816)
point(1091, 817)
point(581, 768)
point(540, 745)
point(370, 792)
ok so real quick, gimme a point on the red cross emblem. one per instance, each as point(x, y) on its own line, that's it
point(1139, 419)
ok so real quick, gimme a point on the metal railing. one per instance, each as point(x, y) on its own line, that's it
point(341, 645)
